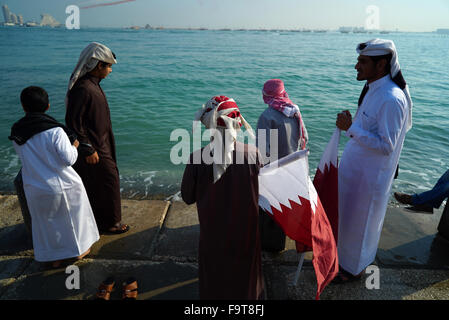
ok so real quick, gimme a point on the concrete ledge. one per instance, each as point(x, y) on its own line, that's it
point(145, 218)
point(156, 281)
point(395, 284)
point(161, 251)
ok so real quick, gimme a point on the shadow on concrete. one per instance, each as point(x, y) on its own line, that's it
point(156, 281)
point(430, 251)
point(167, 281)
point(128, 246)
point(15, 239)
point(35, 284)
point(395, 284)
point(10, 269)
point(181, 242)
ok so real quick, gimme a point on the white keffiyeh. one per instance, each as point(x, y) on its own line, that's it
point(379, 47)
point(89, 59)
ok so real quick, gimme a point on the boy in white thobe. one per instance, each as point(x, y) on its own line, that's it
point(371, 156)
point(63, 225)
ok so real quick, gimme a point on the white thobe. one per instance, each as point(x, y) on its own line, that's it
point(366, 172)
point(63, 224)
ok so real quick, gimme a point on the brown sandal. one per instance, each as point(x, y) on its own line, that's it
point(129, 289)
point(105, 289)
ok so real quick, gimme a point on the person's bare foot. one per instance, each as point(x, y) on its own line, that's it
point(83, 255)
point(118, 229)
point(56, 264)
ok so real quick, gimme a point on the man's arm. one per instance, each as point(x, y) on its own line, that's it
point(79, 99)
point(64, 149)
point(390, 121)
point(188, 184)
point(344, 120)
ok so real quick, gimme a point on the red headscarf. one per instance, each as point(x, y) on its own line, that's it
point(222, 113)
point(274, 94)
point(276, 97)
point(224, 103)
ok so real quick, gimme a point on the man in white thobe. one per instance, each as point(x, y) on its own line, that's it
point(63, 224)
point(371, 156)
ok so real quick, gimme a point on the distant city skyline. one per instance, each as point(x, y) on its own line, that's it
point(12, 19)
point(411, 15)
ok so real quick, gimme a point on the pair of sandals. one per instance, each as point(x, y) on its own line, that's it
point(129, 289)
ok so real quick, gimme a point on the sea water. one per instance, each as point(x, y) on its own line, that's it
point(164, 76)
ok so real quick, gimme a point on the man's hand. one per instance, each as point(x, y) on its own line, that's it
point(344, 120)
point(76, 143)
point(93, 158)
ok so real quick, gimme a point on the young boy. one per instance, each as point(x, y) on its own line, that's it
point(63, 225)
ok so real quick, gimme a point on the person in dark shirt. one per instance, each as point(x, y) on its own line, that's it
point(88, 115)
point(226, 194)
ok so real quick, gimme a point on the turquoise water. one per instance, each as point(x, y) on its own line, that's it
point(164, 76)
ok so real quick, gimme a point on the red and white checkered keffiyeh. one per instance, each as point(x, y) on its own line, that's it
point(223, 114)
point(276, 97)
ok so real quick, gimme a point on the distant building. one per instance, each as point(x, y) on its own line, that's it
point(359, 30)
point(13, 18)
point(345, 29)
point(6, 14)
point(48, 21)
point(445, 31)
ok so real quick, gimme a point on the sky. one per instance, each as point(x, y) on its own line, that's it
point(403, 15)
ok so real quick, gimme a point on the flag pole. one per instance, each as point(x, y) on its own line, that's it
point(298, 270)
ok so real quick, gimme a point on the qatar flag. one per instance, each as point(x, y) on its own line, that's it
point(287, 193)
point(326, 181)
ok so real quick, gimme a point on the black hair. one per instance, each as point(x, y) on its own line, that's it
point(362, 46)
point(388, 57)
point(34, 99)
point(103, 64)
point(376, 59)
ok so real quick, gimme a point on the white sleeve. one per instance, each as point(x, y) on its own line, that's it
point(390, 120)
point(65, 150)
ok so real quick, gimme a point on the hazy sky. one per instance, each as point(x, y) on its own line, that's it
point(405, 15)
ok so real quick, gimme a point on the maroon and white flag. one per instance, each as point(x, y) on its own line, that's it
point(326, 181)
point(287, 193)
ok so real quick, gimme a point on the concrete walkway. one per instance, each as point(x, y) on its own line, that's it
point(160, 251)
